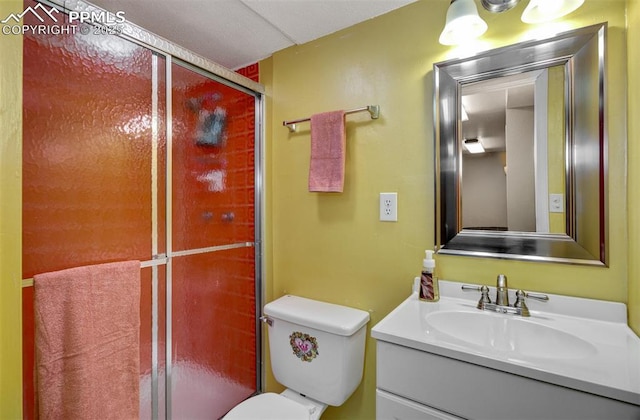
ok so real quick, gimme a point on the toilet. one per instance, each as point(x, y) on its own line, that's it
point(317, 352)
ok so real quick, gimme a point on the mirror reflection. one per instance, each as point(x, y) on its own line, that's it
point(512, 144)
point(521, 151)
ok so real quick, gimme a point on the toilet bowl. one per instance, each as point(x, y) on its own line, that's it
point(317, 352)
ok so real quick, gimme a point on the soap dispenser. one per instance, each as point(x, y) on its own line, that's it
point(428, 281)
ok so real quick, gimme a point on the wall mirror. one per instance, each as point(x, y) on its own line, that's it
point(521, 153)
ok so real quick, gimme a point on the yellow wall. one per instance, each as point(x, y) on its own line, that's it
point(633, 186)
point(555, 139)
point(331, 246)
point(10, 220)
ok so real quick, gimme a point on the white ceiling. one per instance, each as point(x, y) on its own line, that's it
point(236, 33)
point(486, 105)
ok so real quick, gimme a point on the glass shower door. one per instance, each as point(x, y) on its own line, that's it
point(129, 153)
point(212, 256)
point(93, 173)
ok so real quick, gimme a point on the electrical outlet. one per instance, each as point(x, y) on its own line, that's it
point(556, 203)
point(389, 207)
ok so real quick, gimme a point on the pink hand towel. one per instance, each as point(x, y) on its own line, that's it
point(328, 147)
point(87, 323)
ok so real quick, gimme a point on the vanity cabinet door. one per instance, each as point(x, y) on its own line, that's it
point(476, 392)
point(389, 406)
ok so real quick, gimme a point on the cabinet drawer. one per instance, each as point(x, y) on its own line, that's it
point(389, 406)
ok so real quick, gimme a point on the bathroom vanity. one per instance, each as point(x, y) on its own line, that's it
point(571, 359)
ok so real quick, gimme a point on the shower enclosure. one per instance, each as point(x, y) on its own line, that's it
point(142, 150)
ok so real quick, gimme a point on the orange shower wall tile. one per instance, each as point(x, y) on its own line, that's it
point(214, 294)
point(214, 320)
point(87, 166)
point(213, 184)
point(87, 193)
point(251, 71)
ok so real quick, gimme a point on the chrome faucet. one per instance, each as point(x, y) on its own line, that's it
point(502, 298)
point(502, 291)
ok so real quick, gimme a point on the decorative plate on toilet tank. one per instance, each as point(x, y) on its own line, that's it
point(304, 346)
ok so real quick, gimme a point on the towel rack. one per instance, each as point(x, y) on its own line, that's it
point(161, 259)
point(373, 110)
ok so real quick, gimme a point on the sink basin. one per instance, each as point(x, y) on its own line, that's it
point(581, 344)
point(509, 334)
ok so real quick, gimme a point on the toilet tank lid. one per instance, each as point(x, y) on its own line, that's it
point(328, 317)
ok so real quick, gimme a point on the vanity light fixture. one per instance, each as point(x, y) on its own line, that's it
point(463, 23)
point(473, 146)
point(538, 11)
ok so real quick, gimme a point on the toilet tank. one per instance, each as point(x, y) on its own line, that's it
point(316, 348)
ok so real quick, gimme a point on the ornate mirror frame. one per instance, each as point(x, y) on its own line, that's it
point(581, 52)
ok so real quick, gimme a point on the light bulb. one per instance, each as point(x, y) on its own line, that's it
point(463, 23)
point(538, 11)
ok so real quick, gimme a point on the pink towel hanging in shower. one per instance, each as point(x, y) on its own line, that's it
point(87, 323)
point(328, 150)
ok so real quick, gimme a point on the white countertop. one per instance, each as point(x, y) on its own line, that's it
point(612, 370)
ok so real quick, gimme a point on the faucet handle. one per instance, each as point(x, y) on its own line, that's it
point(521, 294)
point(520, 300)
point(484, 290)
point(537, 296)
